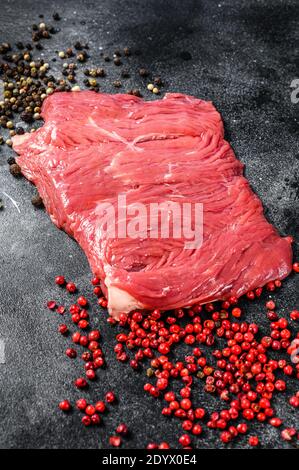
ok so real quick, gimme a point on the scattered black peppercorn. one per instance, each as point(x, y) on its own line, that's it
point(106, 58)
point(127, 52)
point(78, 46)
point(56, 16)
point(11, 160)
point(1, 205)
point(117, 61)
point(158, 81)
point(117, 84)
point(26, 117)
point(15, 170)
point(100, 72)
point(20, 131)
point(37, 201)
point(143, 72)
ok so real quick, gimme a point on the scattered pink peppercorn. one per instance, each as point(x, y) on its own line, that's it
point(94, 335)
point(90, 374)
point(93, 345)
point(185, 440)
point(294, 401)
point(60, 310)
point(90, 410)
point(97, 290)
point(71, 353)
point(60, 280)
point(83, 324)
point(294, 315)
point(100, 407)
point(65, 405)
point(76, 337)
point(98, 362)
point(86, 420)
point(71, 287)
point(163, 445)
point(152, 446)
point(51, 304)
point(199, 413)
point(236, 312)
point(86, 356)
point(63, 329)
point(115, 441)
point(95, 419)
point(82, 301)
point(253, 441)
point(225, 437)
point(276, 422)
point(83, 340)
point(110, 397)
point(242, 428)
point(81, 404)
point(122, 429)
point(296, 267)
point(80, 383)
point(95, 281)
point(270, 305)
point(197, 429)
point(288, 434)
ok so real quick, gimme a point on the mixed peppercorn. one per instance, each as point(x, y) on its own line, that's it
point(27, 80)
point(239, 369)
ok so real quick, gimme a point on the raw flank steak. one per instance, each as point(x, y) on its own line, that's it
point(94, 147)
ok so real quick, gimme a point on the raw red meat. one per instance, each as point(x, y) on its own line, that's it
point(93, 147)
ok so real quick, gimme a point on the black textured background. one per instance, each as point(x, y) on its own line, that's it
point(243, 59)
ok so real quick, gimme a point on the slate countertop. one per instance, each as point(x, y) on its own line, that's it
point(241, 55)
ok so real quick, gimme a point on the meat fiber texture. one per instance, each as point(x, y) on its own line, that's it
point(94, 147)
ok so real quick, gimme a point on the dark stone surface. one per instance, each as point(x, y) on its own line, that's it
point(241, 55)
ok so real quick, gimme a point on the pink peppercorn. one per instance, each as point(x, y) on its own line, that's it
point(65, 405)
point(110, 397)
point(253, 441)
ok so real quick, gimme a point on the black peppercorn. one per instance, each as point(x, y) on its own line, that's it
point(56, 16)
point(143, 72)
point(117, 61)
point(127, 51)
point(20, 130)
point(26, 117)
point(78, 46)
point(11, 160)
point(37, 201)
point(15, 170)
point(158, 81)
point(100, 72)
point(136, 92)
